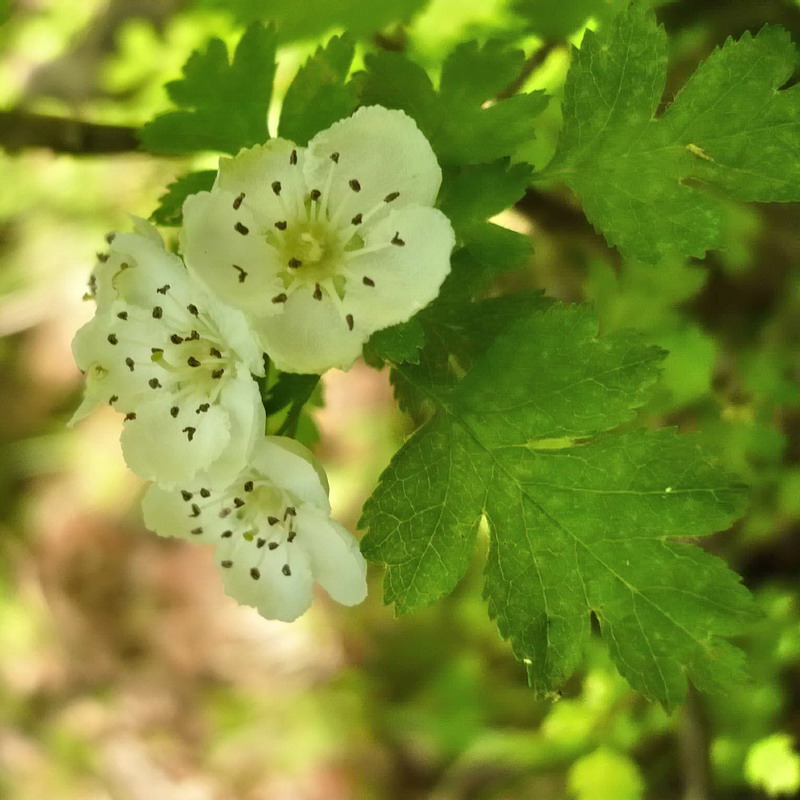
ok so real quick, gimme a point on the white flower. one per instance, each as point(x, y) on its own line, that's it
point(271, 530)
point(322, 246)
point(176, 362)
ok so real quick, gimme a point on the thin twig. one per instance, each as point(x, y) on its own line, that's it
point(536, 59)
point(20, 130)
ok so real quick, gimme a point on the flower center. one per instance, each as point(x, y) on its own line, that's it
point(311, 252)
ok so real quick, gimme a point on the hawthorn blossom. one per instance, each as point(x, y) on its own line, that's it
point(322, 246)
point(176, 362)
point(271, 531)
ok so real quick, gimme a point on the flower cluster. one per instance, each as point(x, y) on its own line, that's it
point(297, 255)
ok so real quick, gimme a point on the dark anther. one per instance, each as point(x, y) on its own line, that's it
point(350, 321)
point(238, 201)
point(112, 338)
point(318, 292)
point(205, 493)
point(242, 273)
point(290, 537)
point(279, 298)
point(397, 240)
point(202, 408)
point(214, 352)
point(129, 363)
point(110, 237)
point(315, 195)
point(156, 350)
point(154, 383)
point(292, 158)
point(192, 309)
point(123, 315)
point(187, 496)
point(285, 570)
point(174, 411)
point(189, 432)
point(192, 361)
point(195, 510)
point(295, 263)
point(157, 312)
point(273, 520)
point(216, 374)
point(273, 545)
point(226, 564)
point(335, 158)
point(260, 543)
point(238, 502)
point(248, 487)
point(243, 229)
point(390, 197)
point(196, 531)
point(290, 512)
point(357, 219)
point(281, 224)
point(193, 336)
point(367, 281)
point(113, 399)
point(355, 185)
point(175, 339)
point(226, 534)
point(163, 289)
point(254, 573)
point(102, 257)
point(130, 416)
point(276, 187)
point(225, 512)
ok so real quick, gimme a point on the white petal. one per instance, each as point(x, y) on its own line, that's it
point(241, 399)
point(238, 335)
point(384, 151)
point(406, 277)
point(169, 514)
point(241, 268)
point(145, 267)
point(336, 561)
point(273, 593)
point(146, 228)
point(289, 465)
point(254, 171)
point(157, 446)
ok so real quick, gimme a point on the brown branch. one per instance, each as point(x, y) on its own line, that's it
point(536, 59)
point(20, 130)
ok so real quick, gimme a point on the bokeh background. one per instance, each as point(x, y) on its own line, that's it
point(126, 674)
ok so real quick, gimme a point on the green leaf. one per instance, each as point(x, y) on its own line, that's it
point(318, 95)
point(400, 344)
point(289, 389)
point(170, 205)
point(654, 186)
point(224, 105)
point(582, 520)
point(454, 119)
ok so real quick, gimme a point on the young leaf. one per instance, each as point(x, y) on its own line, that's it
point(651, 185)
point(223, 105)
point(318, 95)
point(170, 205)
point(582, 521)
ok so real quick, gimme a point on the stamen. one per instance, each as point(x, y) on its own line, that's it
point(187, 496)
point(367, 281)
point(238, 502)
point(175, 339)
point(243, 229)
point(281, 225)
point(163, 289)
point(214, 352)
point(195, 510)
point(238, 202)
point(242, 273)
point(112, 338)
point(113, 399)
point(192, 361)
point(290, 537)
point(202, 408)
point(350, 321)
point(226, 564)
point(391, 197)
point(295, 263)
point(355, 185)
point(129, 363)
point(260, 543)
point(318, 292)
point(189, 433)
point(273, 520)
point(196, 531)
point(357, 219)
point(205, 493)
point(254, 573)
point(290, 512)
point(292, 159)
point(123, 315)
point(217, 373)
point(102, 257)
point(154, 383)
point(158, 312)
point(335, 158)
point(193, 336)
point(279, 298)
point(225, 513)
point(397, 240)
point(286, 570)
point(174, 411)
point(248, 487)
point(314, 195)
point(273, 545)
point(226, 534)
point(192, 309)
point(276, 187)
point(156, 350)
point(130, 416)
